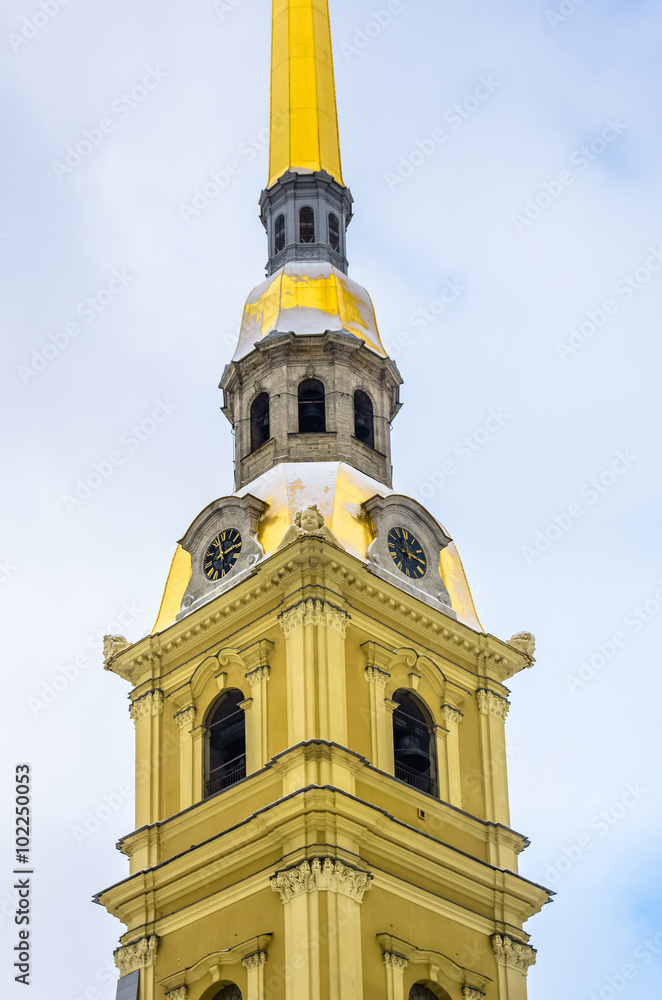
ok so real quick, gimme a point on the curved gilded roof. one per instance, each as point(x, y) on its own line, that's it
point(308, 298)
point(339, 491)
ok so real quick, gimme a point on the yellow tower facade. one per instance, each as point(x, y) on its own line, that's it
point(321, 782)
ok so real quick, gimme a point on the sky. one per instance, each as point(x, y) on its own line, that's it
point(505, 162)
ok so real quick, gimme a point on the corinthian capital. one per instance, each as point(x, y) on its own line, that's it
point(314, 613)
point(376, 676)
point(392, 961)
point(513, 954)
point(186, 718)
point(149, 705)
point(490, 703)
point(451, 716)
point(323, 874)
point(470, 994)
point(180, 993)
point(138, 955)
point(256, 961)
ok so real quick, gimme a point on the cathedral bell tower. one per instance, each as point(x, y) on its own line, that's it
point(321, 787)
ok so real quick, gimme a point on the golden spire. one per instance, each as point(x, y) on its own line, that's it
point(304, 120)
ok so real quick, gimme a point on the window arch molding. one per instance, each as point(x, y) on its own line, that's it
point(364, 418)
point(311, 402)
point(260, 421)
point(414, 743)
point(225, 742)
point(427, 991)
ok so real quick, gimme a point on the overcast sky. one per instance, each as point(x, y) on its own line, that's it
point(505, 160)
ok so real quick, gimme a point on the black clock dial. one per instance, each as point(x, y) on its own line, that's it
point(222, 554)
point(407, 553)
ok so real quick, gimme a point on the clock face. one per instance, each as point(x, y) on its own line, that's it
point(222, 554)
point(407, 553)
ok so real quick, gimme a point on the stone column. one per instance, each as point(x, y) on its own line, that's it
point(452, 719)
point(381, 725)
point(147, 713)
point(257, 753)
point(493, 711)
point(185, 720)
point(395, 966)
point(255, 964)
point(300, 890)
point(514, 960)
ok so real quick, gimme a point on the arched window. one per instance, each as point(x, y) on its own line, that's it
point(279, 234)
point(306, 225)
point(420, 992)
point(226, 744)
point(413, 743)
point(312, 407)
point(230, 992)
point(364, 418)
point(259, 421)
point(334, 232)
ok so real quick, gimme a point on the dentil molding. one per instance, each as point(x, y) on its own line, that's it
point(513, 954)
point(490, 703)
point(321, 874)
point(138, 955)
point(150, 704)
point(314, 613)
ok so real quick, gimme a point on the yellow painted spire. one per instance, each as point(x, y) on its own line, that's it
point(304, 119)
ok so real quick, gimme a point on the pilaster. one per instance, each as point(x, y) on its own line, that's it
point(185, 720)
point(255, 964)
point(493, 710)
point(452, 718)
point(147, 713)
point(514, 960)
point(395, 966)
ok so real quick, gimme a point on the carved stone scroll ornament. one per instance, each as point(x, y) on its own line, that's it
point(397, 962)
point(321, 874)
point(513, 954)
point(309, 522)
point(490, 703)
point(186, 718)
point(255, 961)
point(524, 642)
point(138, 955)
point(149, 705)
point(112, 646)
point(314, 613)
